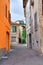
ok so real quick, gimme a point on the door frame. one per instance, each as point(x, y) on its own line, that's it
point(7, 39)
point(30, 41)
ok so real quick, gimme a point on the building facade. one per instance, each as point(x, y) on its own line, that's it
point(22, 31)
point(4, 26)
point(26, 5)
point(36, 24)
point(14, 35)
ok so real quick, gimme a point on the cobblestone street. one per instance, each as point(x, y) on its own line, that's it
point(23, 56)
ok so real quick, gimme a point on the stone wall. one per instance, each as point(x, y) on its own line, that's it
point(35, 34)
point(41, 24)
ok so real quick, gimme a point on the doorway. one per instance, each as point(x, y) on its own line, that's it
point(30, 41)
point(7, 41)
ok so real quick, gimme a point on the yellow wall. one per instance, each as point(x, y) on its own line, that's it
point(4, 23)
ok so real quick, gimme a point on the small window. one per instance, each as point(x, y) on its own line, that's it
point(13, 39)
point(9, 16)
point(6, 11)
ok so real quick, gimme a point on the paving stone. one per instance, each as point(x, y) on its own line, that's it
point(23, 56)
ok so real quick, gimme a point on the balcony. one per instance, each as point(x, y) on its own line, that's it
point(32, 2)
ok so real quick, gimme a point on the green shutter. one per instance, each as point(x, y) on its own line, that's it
point(14, 28)
point(24, 35)
point(21, 22)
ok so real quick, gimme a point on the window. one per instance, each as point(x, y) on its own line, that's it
point(21, 22)
point(27, 6)
point(8, 0)
point(42, 7)
point(14, 28)
point(35, 17)
point(9, 16)
point(6, 11)
point(13, 39)
point(32, 2)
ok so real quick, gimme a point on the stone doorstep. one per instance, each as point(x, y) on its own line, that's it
point(3, 54)
point(4, 57)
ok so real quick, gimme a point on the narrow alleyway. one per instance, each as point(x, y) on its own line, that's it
point(23, 56)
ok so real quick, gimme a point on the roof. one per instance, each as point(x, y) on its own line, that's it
point(20, 22)
point(16, 24)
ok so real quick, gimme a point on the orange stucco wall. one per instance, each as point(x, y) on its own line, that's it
point(4, 24)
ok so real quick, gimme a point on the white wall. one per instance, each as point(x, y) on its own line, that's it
point(28, 28)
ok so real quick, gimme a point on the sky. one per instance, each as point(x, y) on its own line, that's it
point(16, 10)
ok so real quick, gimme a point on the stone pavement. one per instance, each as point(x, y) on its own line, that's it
point(23, 56)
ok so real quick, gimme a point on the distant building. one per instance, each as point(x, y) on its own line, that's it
point(21, 22)
point(4, 27)
point(14, 34)
point(22, 31)
point(35, 25)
